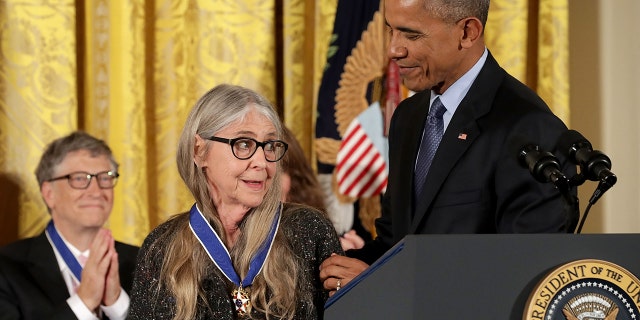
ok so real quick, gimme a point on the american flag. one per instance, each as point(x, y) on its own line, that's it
point(361, 162)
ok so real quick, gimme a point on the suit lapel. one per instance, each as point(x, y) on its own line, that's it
point(461, 132)
point(44, 268)
point(444, 160)
point(406, 149)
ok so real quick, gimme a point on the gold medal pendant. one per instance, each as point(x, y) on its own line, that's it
point(219, 255)
point(241, 300)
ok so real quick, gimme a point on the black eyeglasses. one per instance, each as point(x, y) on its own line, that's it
point(244, 148)
point(82, 180)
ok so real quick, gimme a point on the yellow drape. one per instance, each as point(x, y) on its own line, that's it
point(129, 71)
point(529, 38)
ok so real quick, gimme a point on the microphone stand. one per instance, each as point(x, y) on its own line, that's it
point(572, 205)
point(603, 186)
point(578, 180)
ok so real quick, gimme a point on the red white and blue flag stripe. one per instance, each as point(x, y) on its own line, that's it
point(362, 160)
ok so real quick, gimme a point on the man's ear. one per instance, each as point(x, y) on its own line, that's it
point(471, 31)
point(199, 148)
point(47, 193)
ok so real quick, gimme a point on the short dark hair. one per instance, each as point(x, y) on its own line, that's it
point(58, 149)
point(451, 11)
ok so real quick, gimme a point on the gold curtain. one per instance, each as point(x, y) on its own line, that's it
point(530, 39)
point(129, 71)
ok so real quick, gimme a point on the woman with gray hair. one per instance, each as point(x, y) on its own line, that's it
point(239, 252)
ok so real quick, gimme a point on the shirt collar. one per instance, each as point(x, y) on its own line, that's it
point(453, 96)
point(72, 248)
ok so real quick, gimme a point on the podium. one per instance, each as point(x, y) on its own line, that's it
point(470, 276)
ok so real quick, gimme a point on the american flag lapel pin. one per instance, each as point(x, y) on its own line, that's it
point(462, 136)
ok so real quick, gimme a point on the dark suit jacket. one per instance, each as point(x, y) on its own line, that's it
point(475, 183)
point(31, 285)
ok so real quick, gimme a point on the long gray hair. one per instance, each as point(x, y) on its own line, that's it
point(276, 289)
point(214, 111)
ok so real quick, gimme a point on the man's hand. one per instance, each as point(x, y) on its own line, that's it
point(112, 281)
point(336, 271)
point(93, 285)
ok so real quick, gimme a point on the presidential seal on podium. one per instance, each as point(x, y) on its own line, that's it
point(587, 289)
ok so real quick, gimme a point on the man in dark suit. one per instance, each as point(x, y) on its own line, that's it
point(74, 269)
point(474, 183)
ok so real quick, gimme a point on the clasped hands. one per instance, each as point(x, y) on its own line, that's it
point(100, 282)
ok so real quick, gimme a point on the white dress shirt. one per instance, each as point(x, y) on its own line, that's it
point(116, 311)
point(452, 98)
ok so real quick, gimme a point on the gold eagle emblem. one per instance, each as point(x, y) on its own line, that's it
point(366, 64)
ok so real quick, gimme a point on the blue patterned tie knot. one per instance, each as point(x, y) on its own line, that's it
point(436, 112)
point(431, 136)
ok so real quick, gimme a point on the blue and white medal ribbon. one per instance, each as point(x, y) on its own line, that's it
point(219, 254)
point(63, 250)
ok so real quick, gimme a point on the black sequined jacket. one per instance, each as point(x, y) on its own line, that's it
point(311, 236)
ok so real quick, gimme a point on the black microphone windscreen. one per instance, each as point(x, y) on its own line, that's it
point(518, 146)
point(568, 141)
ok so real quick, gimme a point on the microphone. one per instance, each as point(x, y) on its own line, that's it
point(544, 166)
point(594, 165)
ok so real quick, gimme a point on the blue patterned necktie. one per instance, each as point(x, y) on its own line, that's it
point(431, 136)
